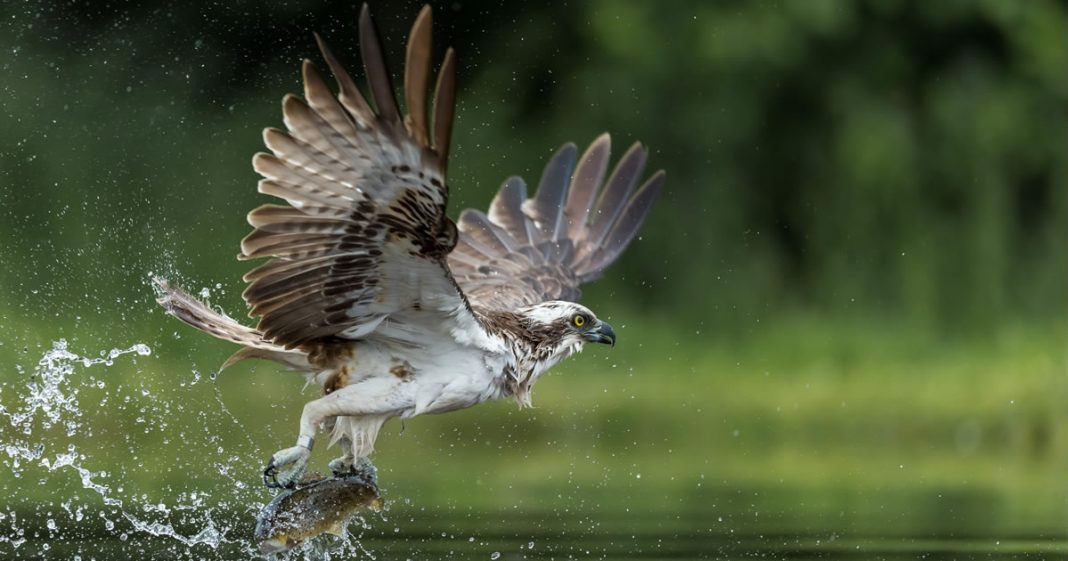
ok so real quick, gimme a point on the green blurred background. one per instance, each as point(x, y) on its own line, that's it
point(847, 309)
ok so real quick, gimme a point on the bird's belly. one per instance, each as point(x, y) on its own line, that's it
point(453, 380)
point(420, 380)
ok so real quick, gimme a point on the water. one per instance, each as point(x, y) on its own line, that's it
point(422, 534)
point(46, 449)
point(80, 488)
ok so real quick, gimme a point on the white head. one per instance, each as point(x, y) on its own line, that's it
point(549, 332)
point(555, 329)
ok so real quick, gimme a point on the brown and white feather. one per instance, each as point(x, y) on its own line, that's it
point(364, 235)
point(530, 250)
point(363, 249)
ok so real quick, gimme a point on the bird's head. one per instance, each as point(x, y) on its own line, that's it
point(566, 326)
point(547, 333)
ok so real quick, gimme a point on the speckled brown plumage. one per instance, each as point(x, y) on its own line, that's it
point(327, 353)
point(533, 340)
point(404, 370)
point(529, 250)
point(367, 192)
point(372, 291)
point(338, 379)
point(364, 237)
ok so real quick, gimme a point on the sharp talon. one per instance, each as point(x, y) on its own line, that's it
point(285, 468)
point(269, 478)
point(342, 466)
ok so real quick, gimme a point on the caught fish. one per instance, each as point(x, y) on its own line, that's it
point(317, 507)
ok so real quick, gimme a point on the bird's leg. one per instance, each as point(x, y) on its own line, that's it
point(348, 464)
point(364, 468)
point(343, 465)
point(374, 397)
point(287, 466)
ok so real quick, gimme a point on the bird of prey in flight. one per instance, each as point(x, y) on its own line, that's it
point(375, 294)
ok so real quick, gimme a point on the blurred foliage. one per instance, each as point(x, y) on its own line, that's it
point(873, 159)
point(854, 280)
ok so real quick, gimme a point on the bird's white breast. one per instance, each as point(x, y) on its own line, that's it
point(420, 371)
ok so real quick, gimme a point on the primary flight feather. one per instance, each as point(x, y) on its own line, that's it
point(380, 298)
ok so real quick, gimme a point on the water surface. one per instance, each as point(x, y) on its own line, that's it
point(107, 463)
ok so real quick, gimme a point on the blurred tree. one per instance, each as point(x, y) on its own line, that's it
point(886, 159)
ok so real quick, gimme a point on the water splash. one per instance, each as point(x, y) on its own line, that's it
point(209, 535)
point(51, 401)
point(58, 426)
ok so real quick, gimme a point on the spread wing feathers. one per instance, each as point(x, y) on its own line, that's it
point(197, 314)
point(527, 250)
point(365, 233)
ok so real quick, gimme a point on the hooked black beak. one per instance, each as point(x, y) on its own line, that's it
point(601, 333)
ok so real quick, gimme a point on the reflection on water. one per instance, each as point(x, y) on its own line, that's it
point(72, 491)
point(422, 534)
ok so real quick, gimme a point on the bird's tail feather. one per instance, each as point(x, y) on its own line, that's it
point(195, 313)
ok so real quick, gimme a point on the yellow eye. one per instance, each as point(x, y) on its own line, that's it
point(579, 321)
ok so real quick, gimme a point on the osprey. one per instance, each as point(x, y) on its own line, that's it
point(393, 309)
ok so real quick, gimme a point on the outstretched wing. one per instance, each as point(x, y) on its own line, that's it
point(365, 233)
point(527, 251)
